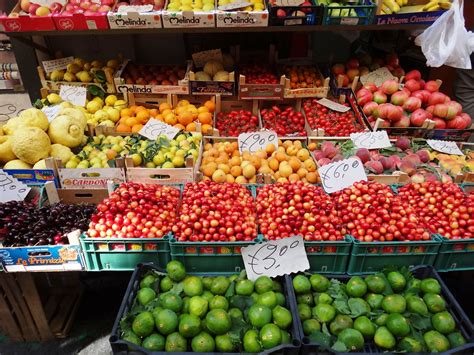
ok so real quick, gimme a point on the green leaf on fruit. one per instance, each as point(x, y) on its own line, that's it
point(241, 302)
point(420, 322)
point(321, 339)
point(177, 288)
point(342, 307)
point(38, 104)
point(100, 76)
point(339, 347)
point(230, 290)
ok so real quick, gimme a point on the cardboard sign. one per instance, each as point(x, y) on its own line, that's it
point(371, 140)
point(378, 77)
point(341, 174)
point(333, 105)
point(51, 111)
point(57, 64)
point(448, 147)
point(201, 58)
point(234, 6)
point(255, 141)
point(275, 258)
point(76, 95)
point(154, 128)
point(11, 189)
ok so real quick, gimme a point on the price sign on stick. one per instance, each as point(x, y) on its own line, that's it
point(76, 95)
point(275, 258)
point(51, 111)
point(11, 189)
point(447, 147)
point(371, 140)
point(341, 174)
point(154, 128)
point(333, 105)
point(255, 141)
point(378, 77)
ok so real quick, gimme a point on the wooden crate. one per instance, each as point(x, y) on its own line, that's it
point(38, 306)
point(224, 105)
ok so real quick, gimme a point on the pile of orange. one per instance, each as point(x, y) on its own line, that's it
point(133, 118)
point(303, 76)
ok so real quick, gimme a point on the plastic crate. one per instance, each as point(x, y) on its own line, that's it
point(304, 15)
point(124, 347)
point(422, 272)
point(329, 256)
point(365, 14)
point(124, 254)
point(455, 255)
point(368, 257)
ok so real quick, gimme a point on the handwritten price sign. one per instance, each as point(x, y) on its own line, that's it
point(155, 128)
point(275, 258)
point(51, 111)
point(333, 105)
point(371, 140)
point(341, 174)
point(447, 147)
point(76, 95)
point(57, 64)
point(11, 189)
point(378, 77)
point(254, 141)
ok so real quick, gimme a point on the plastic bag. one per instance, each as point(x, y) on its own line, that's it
point(446, 41)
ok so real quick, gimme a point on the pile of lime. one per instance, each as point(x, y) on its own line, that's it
point(176, 312)
point(393, 310)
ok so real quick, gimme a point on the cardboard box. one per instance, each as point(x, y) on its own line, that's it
point(261, 91)
point(135, 17)
point(179, 19)
point(93, 178)
point(34, 177)
point(242, 18)
point(224, 88)
point(408, 15)
point(19, 21)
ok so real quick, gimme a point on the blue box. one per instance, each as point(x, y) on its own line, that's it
point(34, 177)
point(411, 18)
point(42, 258)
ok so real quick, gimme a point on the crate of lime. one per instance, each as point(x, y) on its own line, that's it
point(400, 311)
point(171, 311)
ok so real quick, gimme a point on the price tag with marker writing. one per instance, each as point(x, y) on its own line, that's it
point(378, 77)
point(275, 258)
point(57, 64)
point(51, 111)
point(448, 147)
point(333, 105)
point(371, 140)
point(11, 189)
point(341, 174)
point(76, 95)
point(155, 128)
point(254, 141)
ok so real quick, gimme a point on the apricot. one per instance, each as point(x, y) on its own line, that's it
point(218, 176)
point(248, 171)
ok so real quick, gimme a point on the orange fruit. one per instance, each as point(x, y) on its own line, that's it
point(126, 112)
point(183, 103)
point(191, 127)
point(185, 118)
point(133, 108)
point(202, 109)
point(312, 177)
point(141, 108)
point(206, 128)
point(180, 126)
point(143, 116)
point(164, 106)
point(123, 128)
point(153, 112)
point(166, 112)
point(170, 119)
point(131, 121)
point(211, 106)
point(205, 117)
point(123, 119)
point(137, 128)
point(293, 177)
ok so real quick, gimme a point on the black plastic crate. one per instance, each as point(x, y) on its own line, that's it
point(296, 15)
point(120, 346)
point(422, 272)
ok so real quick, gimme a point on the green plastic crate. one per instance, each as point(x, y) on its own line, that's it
point(455, 255)
point(329, 256)
point(124, 254)
point(209, 257)
point(367, 257)
point(360, 14)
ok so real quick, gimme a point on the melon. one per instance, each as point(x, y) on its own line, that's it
point(202, 76)
point(221, 76)
point(212, 67)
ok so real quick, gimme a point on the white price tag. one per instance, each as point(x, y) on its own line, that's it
point(275, 258)
point(341, 174)
point(371, 140)
point(289, 2)
point(57, 64)
point(200, 58)
point(154, 128)
point(352, 21)
point(378, 77)
point(333, 105)
point(233, 6)
point(136, 8)
point(46, 3)
point(447, 147)
point(76, 95)
point(255, 141)
point(11, 189)
point(51, 111)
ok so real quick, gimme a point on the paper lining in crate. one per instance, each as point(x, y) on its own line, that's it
point(122, 86)
point(226, 105)
point(138, 16)
point(261, 91)
point(180, 19)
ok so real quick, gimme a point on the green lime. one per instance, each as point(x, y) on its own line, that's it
point(282, 317)
point(263, 284)
point(268, 299)
point(351, 338)
point(207, 295)
point(410, 345)
point(443, 322)
point(365, 327)
point(375, 283)
point(235, 313)
point(301, 284)
point(166, 322)
point(270, 336)
point(155, 311)
point(251, 342)
point(233, 278)
point(244, 287)
point(259, 315)
point(430, 286)
point(374, 300)
point(277, 286)
point(192, 286)
point(398, 325)
point(203, 343)
point(434, 302)
point(207, 282)
point(306, 298)
point(219, 302)
point(285, 337)
point(154, 342)
point(143, 324)
point(415, 304)
point(435, 341)
point(384, 339)
point(175, 342)
point(171, 300)
point(254, 297)
point(340, 323)
point(220, 285)
point(323, 298)
point(381, 319)
point(319, 283)
point(186, 301)
point(218, 321)
point(304, 311)
point(456, 339)
point(394, 304)
point(198, 306)
point(176, 270)
point(324, 312)
point(356, 287)
point(397, 281)
point(148, 281)
point(281, 300)
point(310, 326)
point(166, 284)
point(224, 344)
point(145, 295)
point(189, 325)
point(132, 338)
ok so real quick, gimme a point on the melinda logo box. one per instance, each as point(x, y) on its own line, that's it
point(242, 18)
point(179, 19)
point(140, 17)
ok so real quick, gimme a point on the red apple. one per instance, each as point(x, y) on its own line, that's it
point(412, 104)
point(402, 122)
point(412, 85)
point(432, 86)
point(439, 123)
point(413, 74)
point(418, 117)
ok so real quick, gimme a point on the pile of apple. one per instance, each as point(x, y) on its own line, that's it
point(443, 207)
point(214, 212)
point(136, 211)
point(35, 9)
point(88, 7)
point(259, 74)
point(139, 74)
point(411, 104)
point(231, 124)
point(285, 121)
point(284, 11)
point(157, 4)
point(286, 209)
